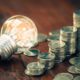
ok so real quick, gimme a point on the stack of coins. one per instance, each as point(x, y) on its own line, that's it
point(76, 24)
point(58, 49)
point(35, 69)
point(76, 18)
point(68, 36)
point(47, 60)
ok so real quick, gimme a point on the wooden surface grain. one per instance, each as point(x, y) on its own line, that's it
point(48, 15)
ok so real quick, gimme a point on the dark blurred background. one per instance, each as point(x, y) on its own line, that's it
point(47, 14)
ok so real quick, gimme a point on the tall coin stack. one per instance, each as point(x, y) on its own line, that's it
point(76, 24)
point(68, 36)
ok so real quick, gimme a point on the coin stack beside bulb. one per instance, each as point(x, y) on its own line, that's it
point(55, 46)
point(58, 49)
point(68, 36)
point(35, 68)
point(46, 59)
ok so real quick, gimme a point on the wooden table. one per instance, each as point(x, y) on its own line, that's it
point(48, 15)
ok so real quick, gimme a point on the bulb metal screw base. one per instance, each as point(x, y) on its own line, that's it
point(7, 46)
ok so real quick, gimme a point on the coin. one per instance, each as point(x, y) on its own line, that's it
point(63, 76)
point(68, 31)
point(72, 69)
point(31, 52)
point(68, 36)
point(57, 48)
point(35, 73)
point(76, 18)
point(77, 78)
point(46, 59)
point(76, 24)
point(53, 38)
point(34, 69)
point(74, 60)
point(77, 66)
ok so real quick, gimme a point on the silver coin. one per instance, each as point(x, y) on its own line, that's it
point(72, 69)
point(77, 66)
point(68, 31)
point(56, 44)
point(74, 60)
point(63, 76)
point(46, 59)
point(35, 69)
point(68, 36)
point(53, 38)
point(76, 18)
point(31, 52)
point(35, 73)
point(77, 78)
point(35, 65)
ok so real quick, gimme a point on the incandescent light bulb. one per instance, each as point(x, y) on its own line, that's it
point(17, 31)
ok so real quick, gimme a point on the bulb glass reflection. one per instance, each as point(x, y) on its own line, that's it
point(21, 29)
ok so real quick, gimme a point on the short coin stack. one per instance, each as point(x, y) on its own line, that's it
point(76, 24)
point(55, 46)
point(58, 49)
point(35, 69)
point(47, 60)
point(68, 36)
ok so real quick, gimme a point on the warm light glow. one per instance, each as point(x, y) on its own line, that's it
point(22, 29)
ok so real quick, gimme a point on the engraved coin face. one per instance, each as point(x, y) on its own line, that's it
point(22, 29)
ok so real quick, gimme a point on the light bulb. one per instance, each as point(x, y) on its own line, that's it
point(21, 30)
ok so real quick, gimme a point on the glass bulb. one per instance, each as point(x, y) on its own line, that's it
point(21, 30)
